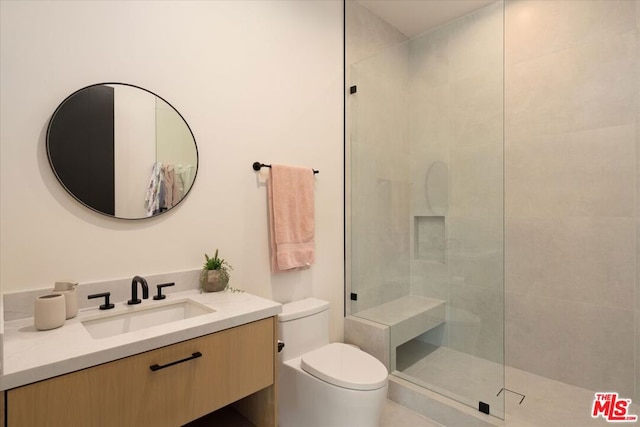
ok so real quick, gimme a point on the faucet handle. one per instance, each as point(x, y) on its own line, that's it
point(160, 295)
point(107, 305)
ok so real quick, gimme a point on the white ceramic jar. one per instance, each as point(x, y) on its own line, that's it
point(49, 312)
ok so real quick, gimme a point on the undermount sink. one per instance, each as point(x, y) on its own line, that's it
point(137, 318)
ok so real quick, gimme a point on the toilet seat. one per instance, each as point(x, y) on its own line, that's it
point(345, 366)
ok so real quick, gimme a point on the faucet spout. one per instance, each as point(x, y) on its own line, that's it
point(134, 290)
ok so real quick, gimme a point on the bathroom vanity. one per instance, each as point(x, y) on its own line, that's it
point(165, 375)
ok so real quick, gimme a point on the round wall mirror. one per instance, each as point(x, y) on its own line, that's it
point(122, 150)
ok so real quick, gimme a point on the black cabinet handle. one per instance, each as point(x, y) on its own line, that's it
point(157, 367)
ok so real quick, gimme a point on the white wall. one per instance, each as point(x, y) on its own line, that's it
point(255, 80)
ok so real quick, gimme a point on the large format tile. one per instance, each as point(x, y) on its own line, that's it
point(637, 395)
point(477, 106)
point(535, 28)
point(581, 344)
point(551, 403)
point(477, 182)
point(476, 321)
point(582, 173)
point(367, 33)
point(455, 374)
point(476, 43)
point(589, 260)
point(429, 59)
point(395, 415)
point(584, 87)
point(372, 337)
point(475, 251)
point(436, 406)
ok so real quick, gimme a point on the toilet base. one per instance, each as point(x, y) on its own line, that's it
point(304, 400)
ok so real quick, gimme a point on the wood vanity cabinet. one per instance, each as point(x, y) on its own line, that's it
point(234, 364)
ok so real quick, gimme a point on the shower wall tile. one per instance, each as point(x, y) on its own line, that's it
point(583, 173)
point(637, 259)
point(376, 171)
point(476, 149)
point(430, 136)
point(636, 398)
point(429, 110)
point(587, 259)
point(637, 313)
point(429, 105)
point(476, 182)
point(379, 197)
point(536, 256)
point(475, 251)
point(476, 286)
point(476, 320)
point(367, 34)
point(581, 344)
point(476, 102)
point(476, 44)
point(584, 87)
point(429, 238)
point(429, 60)
point(638, 184)
point(470, 133)
point(381, 104)
point(456, 122)
point(429, 279)
point(380, 255)
point(370, 336)
point(539, 27)
point(572, 190)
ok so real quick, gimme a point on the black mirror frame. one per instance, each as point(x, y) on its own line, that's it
point(53, 169)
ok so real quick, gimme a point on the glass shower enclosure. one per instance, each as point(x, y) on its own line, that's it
point(425, 176)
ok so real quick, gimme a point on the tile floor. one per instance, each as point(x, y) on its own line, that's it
point(460, 376)
point(394, 415)
point(550, 403)
point(547, 403)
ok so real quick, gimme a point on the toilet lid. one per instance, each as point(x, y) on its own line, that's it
point(345, 366)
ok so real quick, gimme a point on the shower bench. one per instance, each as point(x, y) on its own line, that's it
point(380, 330)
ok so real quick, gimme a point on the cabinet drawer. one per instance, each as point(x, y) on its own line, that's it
point(233, 364)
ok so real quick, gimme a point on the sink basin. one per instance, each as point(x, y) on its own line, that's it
point(137, 318)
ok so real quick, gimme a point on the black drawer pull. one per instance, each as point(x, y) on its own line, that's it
point(157, 367)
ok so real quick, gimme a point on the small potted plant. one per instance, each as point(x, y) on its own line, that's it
point(215, 274)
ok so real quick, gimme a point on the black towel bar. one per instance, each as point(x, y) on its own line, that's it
point(257, 166)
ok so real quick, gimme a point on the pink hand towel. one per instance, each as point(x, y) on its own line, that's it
point(291, 217)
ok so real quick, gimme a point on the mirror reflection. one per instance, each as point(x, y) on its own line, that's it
point(122, 150)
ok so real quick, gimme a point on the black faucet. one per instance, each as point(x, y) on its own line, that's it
point(134, 290)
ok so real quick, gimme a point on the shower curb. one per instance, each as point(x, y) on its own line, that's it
point(437, 407)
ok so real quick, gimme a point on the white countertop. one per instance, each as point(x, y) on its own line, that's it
point(31, 355)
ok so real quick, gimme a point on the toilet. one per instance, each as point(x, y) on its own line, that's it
point(322, 384)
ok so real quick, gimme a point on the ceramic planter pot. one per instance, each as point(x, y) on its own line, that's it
point(213, 280)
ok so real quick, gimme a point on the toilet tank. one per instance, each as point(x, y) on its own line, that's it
point(303, 326)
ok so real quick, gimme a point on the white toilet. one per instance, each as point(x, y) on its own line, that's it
point(322, 384)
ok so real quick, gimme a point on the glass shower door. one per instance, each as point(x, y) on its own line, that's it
point(426, 206)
